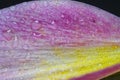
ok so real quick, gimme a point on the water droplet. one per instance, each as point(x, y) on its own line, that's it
point(33, 5)
point(7, 17)
point(36, 34)
point(12, 8)
point(99, 64)
point(53, 22)
point(9, 31)
point(14, 22)
point(71, 70)
point(62, 16)
point(36, 21)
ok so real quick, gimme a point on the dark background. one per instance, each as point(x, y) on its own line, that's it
point(112, 6)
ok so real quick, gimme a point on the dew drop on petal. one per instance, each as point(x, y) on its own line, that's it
point(12, 8)
point(62, 16)
point(53, 22)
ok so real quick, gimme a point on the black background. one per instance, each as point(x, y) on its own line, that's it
point(112, 6)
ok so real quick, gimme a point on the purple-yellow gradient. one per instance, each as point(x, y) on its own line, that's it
point(58, 40)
